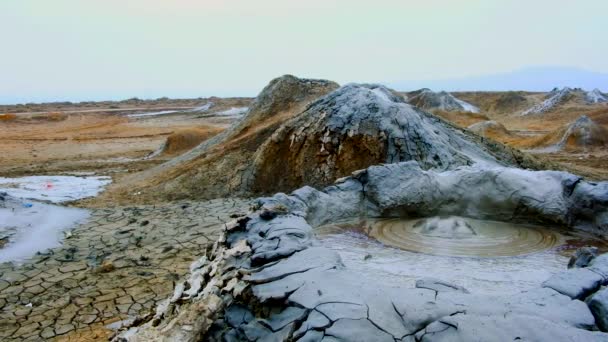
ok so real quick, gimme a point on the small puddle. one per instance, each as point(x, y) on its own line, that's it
point(486, 257)
point(27, 225)
point(34, 227)
point(55, 189)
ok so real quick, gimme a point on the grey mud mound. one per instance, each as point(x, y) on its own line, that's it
point(552, 100)
point(267, 279)
point(558, 97)
point(294, 136)
point(285, 95)
point(582, 134)
point(360, 125)
point(596, 96)
point(489, 128)
point(429, 100)
point(215, 168)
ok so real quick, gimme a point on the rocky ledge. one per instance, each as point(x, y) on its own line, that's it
point(267, 279)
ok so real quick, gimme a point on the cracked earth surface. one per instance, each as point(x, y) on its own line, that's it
point(118, 265)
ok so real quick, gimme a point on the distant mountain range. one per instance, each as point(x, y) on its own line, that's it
point(529, 79)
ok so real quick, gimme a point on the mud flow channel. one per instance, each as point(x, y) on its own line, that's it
point(483, 256)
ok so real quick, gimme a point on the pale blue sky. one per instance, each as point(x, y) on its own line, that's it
point(111, 49)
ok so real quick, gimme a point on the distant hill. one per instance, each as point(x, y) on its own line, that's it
point(528, 79)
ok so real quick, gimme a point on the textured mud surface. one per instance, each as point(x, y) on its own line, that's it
point(267, 277)
point(117, 266)
point(454, 236)
point(479, 275)
point(490, 274)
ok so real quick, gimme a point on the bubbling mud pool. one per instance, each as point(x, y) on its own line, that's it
point(483, 256)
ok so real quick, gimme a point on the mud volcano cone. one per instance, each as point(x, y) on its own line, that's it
point(582, 134)
point(360, 125)
point(489, 129)
point(306, 132)
point(444, 101)
point(216, 167)
point(185, 139)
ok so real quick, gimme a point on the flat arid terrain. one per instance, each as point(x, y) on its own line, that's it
point(155, 233)
point(106, 137)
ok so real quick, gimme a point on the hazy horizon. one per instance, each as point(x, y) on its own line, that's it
point(69, 50)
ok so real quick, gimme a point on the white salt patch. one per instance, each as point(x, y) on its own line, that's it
point(234, 111)
point(380, 92)
point(54, 189)
point(202, 108)
point(152, 113)
point(467, 107)
point(36, 228)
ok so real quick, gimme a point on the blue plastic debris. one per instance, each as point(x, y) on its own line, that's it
point(27, 205)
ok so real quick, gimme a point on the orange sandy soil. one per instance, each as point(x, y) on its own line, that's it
point(99, 141)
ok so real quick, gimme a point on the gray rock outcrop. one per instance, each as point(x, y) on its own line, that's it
point(584, 132)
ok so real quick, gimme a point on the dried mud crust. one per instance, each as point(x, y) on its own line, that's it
point(116, 266)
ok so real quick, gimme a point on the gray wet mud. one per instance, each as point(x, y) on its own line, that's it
point(483, 256)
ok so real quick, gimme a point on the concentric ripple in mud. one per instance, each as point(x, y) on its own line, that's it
point(455, 236)
point(483, 256)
